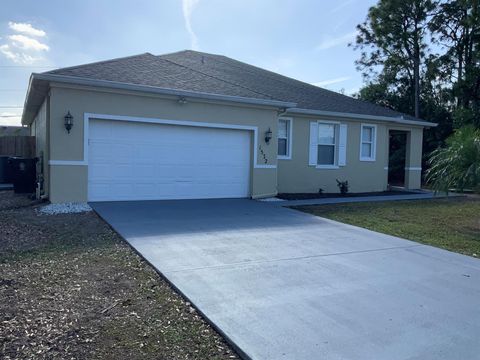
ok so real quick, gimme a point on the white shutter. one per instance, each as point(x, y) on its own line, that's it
point(342, 145)
point(313, 149)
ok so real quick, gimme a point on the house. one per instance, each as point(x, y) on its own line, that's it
point(14, 131)
point(196, 125)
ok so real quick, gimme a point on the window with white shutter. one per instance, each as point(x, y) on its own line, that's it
point(328, 144)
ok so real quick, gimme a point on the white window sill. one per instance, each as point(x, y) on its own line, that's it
point(368, 159)
point(284, 157)
point(327, 167)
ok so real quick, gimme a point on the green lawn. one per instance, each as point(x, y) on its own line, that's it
point(452, 223)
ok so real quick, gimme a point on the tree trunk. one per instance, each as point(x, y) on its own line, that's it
point(417, 86)
point(416, 62)
point(416, 73)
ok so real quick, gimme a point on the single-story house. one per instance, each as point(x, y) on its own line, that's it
point(195, 125)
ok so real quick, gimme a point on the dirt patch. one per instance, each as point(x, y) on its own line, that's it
point(71, 288)
point(306, 196)
point(9, 200)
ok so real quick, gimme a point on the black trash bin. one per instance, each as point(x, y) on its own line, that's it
point(5, 170)
point(23, 174)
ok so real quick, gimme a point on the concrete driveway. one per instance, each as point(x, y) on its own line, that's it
point(280, 284)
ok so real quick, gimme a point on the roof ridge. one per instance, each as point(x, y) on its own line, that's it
point(188, 50)
point(220, 79)
point(98, 62)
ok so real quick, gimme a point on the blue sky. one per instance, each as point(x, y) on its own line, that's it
point(303, 39)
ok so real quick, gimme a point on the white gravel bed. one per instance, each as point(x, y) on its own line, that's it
point(65, 208)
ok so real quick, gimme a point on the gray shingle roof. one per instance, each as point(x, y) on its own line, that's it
point(201, 72)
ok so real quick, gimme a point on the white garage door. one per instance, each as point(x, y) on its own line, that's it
point(141, 161)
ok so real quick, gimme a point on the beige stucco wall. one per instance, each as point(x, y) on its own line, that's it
point(295, 175)
point(69, 182)
point(39, 129)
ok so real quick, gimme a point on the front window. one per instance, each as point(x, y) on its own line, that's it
point(367, 146)
point(326, 144)
point(284, 138)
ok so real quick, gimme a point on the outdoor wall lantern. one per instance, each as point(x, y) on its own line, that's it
point(68, 122)
point(268, 135)
point(182, 100)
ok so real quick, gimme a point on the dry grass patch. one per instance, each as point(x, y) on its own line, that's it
point(71, 288)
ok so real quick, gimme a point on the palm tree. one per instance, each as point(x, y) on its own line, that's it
point(457, 166)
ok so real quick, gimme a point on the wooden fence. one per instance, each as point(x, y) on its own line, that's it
point(23, 146)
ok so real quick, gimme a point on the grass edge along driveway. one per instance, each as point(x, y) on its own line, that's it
point(450, 223)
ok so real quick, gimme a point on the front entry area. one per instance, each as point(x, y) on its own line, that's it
point(145, 161)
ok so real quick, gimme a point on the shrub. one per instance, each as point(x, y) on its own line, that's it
point(343, 186)
point(456, 166)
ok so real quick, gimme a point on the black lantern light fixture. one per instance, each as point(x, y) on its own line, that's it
point(68, 122)
point(268, 135)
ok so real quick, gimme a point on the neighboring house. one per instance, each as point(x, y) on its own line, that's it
point(14, 130)
point(196, 125)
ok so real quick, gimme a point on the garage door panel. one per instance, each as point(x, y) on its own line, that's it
point(140, 161)
point(99, 171)
point(102, 149)
point(145, 190)
point(122, 172)
point(142, 171)
point(145, 154)
point(122, 153)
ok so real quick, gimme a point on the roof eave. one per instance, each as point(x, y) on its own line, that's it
point(26, 117)
point(397, 120)
point(36, 94)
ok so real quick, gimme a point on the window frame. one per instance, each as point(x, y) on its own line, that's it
point(335, 145)
point(289, 138)
point(373, 143)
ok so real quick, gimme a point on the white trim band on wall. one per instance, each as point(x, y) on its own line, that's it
point(88, 116)
point(68, 162)
point(413, 168)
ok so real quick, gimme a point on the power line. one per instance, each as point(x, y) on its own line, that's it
point(8, 116)
point(11, 107)
point(27, 66)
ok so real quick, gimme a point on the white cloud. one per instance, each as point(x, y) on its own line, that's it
point(26, 28)
point(17, 56)
point(21, 48)
point(5, 50)
point(330, 42)
point(332, 81)
point(10, 119)
point(27, 43)
point(188, 7)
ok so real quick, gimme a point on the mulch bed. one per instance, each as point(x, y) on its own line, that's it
point(71, 288)
point(306, 196)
